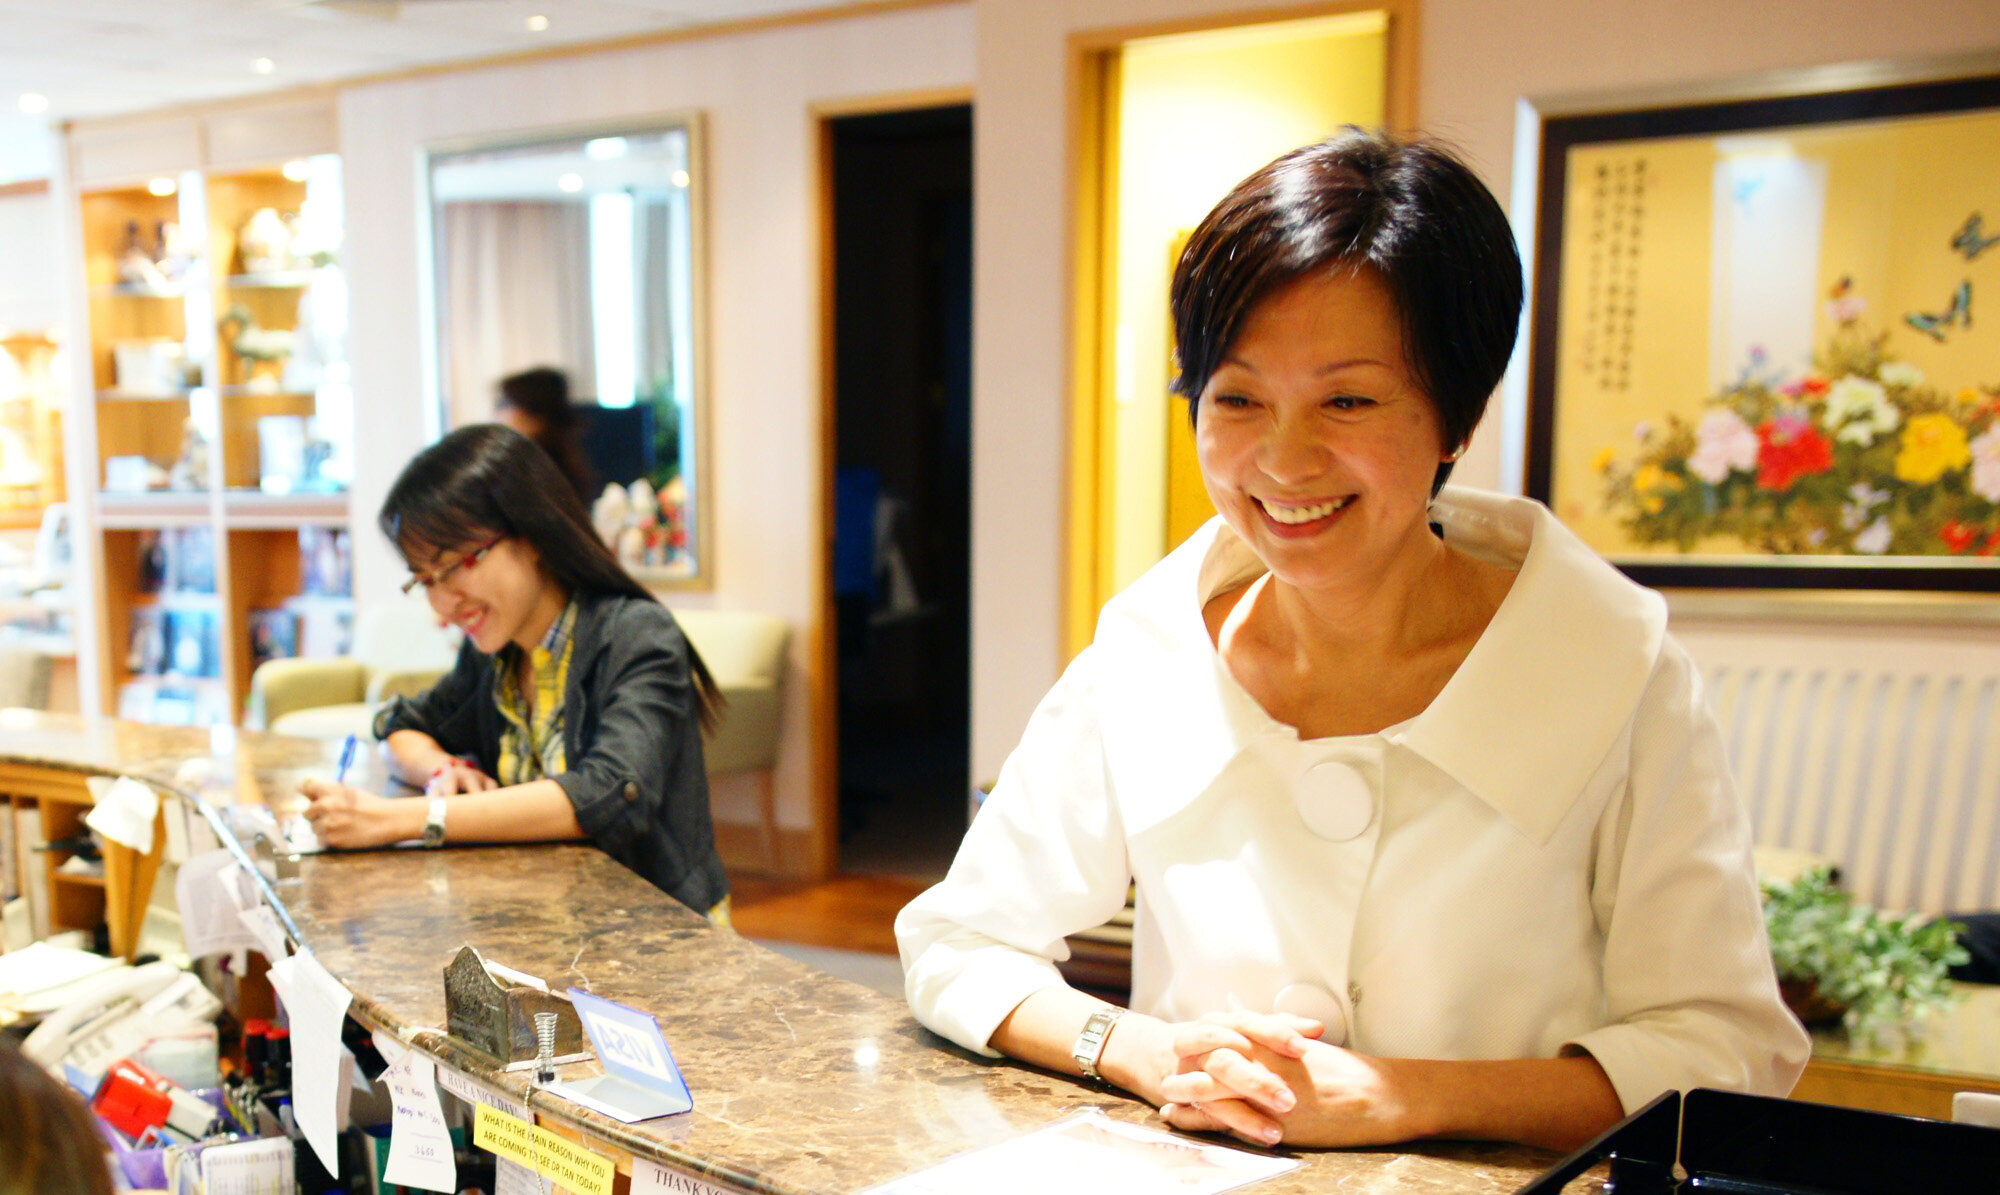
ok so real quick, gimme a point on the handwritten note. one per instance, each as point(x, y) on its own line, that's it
point(317, 1005)
point(211, 889)
point(266, 934)
point(419, 1141)
point(124, 812)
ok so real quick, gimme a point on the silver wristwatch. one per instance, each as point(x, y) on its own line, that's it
point(434, 824)
point(1089, 1045)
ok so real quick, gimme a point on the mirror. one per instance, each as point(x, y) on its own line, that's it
point(580, 252)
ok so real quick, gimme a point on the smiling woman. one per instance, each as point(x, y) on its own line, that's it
point(1430, 832)
point(576, 707)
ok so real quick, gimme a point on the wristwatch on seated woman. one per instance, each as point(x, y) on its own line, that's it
point(434, 824)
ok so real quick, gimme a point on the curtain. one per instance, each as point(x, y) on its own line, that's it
point(515, 294)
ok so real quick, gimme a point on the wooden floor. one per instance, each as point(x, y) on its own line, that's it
point(844, 913)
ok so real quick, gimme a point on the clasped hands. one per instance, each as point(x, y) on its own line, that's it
point(1266, 1078)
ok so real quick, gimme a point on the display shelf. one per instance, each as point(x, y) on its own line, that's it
point(255, 510)
point(157, 508)
point(140, 290)
point(239, 256)
point(117, 395)
point(274, 280)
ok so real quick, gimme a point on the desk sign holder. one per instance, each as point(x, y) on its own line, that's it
point(491, 1010)
point(643, 1081)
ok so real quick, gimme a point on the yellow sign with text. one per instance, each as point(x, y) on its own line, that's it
point(547, 1154)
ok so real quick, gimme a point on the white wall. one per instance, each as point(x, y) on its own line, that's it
point(1477, 57)
point(756, 91)
point(30, 291)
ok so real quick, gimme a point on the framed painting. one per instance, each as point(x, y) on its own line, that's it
point(1764, 345)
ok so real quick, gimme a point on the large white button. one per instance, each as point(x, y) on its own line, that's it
point(1335, 800)
point(1312, 1000)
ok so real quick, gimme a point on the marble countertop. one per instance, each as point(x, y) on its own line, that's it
point(802, 1082)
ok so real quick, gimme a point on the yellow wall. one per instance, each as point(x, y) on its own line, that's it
point(1195, 114)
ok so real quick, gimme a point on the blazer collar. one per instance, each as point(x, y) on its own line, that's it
point(1549, 689)
point(1525, 721)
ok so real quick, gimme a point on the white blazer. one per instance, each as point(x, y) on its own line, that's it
point(1552, 854)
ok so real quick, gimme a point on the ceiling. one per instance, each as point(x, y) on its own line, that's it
point(104, 57)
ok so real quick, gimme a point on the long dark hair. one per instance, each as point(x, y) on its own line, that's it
point(542, 393)
point(487, 480)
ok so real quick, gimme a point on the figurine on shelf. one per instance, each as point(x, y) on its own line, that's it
point(642, 528)
point(174, 252)
point(265, 242)
point(136, 266)
point(260, 352)
point(191, 471)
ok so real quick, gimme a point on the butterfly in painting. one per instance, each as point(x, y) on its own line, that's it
point(1960, 313)
point(1968, 241)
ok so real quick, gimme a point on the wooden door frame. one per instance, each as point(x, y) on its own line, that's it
point(824, 649)
point(1093, 69)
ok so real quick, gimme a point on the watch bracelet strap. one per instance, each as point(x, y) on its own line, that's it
point(1089, 1047)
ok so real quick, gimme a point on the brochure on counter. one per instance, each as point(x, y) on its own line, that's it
point(1092, 1152)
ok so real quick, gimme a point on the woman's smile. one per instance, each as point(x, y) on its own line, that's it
point(1317, 445)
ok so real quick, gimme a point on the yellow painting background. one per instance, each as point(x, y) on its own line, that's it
point(1896, 193)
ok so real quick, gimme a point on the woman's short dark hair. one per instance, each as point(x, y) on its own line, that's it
point(489, 480)
point(1410, 210)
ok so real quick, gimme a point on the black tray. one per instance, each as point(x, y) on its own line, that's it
point(1726, 1142)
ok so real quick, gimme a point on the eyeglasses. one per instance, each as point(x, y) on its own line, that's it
point(445, 574)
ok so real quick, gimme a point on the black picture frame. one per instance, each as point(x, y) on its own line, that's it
point(1831, 96)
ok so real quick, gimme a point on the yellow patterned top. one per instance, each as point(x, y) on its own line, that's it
point(531, 745)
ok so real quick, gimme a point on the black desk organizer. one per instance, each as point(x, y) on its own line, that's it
point(1750, 1144)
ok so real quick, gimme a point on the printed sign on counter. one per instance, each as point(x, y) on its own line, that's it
point(548, 1154)
point(651, 1178)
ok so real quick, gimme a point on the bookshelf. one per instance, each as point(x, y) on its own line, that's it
point(221, 441)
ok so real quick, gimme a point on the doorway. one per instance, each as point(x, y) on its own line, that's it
point(901, 244)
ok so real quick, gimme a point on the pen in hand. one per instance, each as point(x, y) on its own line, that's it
point(346, 760)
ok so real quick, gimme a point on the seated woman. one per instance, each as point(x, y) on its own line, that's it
point(1431, 832)
point(576, 707)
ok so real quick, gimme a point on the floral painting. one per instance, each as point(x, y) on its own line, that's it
point(1770, 355)
point(1863, 455)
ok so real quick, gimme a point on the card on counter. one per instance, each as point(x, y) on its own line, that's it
point(1091, 1152)
point(642, 1080)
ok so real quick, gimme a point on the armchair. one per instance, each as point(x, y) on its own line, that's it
point(745, 652)
point(398, 650)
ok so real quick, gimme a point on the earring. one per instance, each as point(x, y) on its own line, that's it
point(1452, 456)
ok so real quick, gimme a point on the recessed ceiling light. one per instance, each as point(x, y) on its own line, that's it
point(537, 23)
point(162, 186)
point(295, 170)
point(263, 66)
point(34, 101)
point(680, 178)
point(570, 182)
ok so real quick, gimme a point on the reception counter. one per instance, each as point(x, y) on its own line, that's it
point(801, 1082)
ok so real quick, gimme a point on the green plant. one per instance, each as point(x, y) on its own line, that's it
point(1888, 972)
